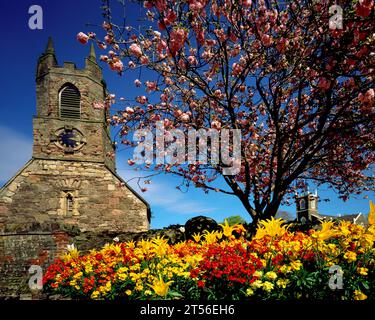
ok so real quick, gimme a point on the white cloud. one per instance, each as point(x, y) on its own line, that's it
point(16, 150)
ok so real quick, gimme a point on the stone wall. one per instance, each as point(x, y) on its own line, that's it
point(101, 201)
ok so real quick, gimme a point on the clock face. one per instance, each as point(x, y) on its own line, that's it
point(70, 139)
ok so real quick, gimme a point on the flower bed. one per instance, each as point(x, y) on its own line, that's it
point(275, 264)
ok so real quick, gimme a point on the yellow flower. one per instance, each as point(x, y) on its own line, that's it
point(271, 275)
point(326, 232)
point(285, 269)
point(197, 237)
point(95, 295)
point(257, 284)
point(362, 271)
point(267, 286)
point(272, 227)
point(227, 229)
point(371, 215)
point(359, 295)
point(128, 292)
point(211, 237)
point(296, 265)
point(282, 283)
point(249, 292)
point(139, 287)
point(122, 276)
point(350, 256)
point(148, 292)
point(258, 273)
point(160, 287)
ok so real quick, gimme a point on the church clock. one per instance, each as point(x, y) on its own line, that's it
point(69, 139)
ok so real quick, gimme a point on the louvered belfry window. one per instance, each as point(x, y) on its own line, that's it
point(70, 102)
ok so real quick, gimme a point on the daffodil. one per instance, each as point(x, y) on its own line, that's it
point(271, 275)
point(350, 256)
point(371, 215)
point(296, 265)
point(282, 283)
point(268, 286)
point(227, 229)
point(326, 231)
point(359, 295)
point(211, 237)
point(362, 271)
point(249, 292)
point(271, 227)
point(160, 287)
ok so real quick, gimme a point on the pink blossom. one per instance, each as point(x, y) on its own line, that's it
point(108, 39)
point(177, 40)
point(324, 83)
point(364, 7)
point(82, 37)
point(368, 97)
point(147, 4)
point(142, 99)
point(131, 64)
point(131, 162)
point(236, 69)
point(137, 82)
point(161, 45)
point(266, 40)
point(192, 60)
point(177, 113)
point(200, 36)
point(135, 50)
point(161, 25)
point(103, 58)
point(102, 45)
point(246, 3)
point(144, 59)
point(98, 105)
point(282, 44)
point(185, 117)
point(182, 63)
point(116, 65)
point(216, 124)
point(129, 110)
point(151, 86)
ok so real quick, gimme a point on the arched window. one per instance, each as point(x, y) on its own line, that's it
point(69, 204)
point(70, 102)
point(302, 204)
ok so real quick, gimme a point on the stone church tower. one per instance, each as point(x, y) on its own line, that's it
point(71, 177)
point(307, 206)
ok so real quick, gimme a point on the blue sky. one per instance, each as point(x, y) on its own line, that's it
point(62, 20)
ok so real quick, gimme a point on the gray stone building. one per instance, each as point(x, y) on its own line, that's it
point(307, 211)
point(71, 177)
